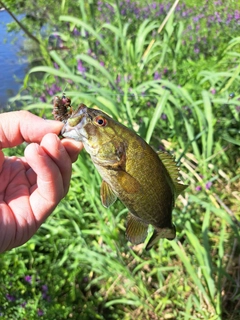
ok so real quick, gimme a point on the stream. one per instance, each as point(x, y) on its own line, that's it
point(13, 67)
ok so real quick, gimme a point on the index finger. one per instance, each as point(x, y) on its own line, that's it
point(19, 126)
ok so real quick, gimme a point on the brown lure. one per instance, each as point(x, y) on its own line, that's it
point(62, 109)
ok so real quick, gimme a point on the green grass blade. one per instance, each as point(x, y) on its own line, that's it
point(57, 73)
point(55, 56)
point(189, 268)
point(209, 116)
point(156, 115)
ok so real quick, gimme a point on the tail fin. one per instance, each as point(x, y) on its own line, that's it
point(159, 233)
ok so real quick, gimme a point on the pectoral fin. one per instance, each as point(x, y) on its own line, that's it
point(127, 182)
point(108, 197)
point(159, 233)
point(136, 231)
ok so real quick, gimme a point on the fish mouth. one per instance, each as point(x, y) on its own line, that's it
point(73, 128)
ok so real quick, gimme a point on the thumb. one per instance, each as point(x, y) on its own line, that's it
point(19, 126)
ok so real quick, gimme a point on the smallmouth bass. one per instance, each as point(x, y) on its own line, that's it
point(146, 182)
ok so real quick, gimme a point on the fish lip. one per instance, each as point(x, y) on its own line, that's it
point(75, 123)
point(67, 129)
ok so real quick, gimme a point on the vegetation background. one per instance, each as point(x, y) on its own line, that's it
point(182, 95)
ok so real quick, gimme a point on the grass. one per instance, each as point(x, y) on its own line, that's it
point(79, 264)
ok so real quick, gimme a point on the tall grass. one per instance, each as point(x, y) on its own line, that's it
point(81, 252)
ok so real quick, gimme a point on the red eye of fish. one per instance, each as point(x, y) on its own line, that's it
point(102, 122)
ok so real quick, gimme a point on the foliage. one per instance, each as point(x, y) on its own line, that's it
point(178, 97)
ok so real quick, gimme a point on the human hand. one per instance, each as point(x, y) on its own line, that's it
point(33, 185)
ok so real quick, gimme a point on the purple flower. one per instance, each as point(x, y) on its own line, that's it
point(208, 185)
point(161, 9)
point(10, 298)
point(40, 313)
point(178, 8)
point(237, 14)
point(28, 279)
point(23, 305)
point(154, 5)
point(161, 147)
point(163, 116)
point(195, 19)
point(76, 32)
point(198, 188)
point(157, 75)
point(196, 50)
point(213, 91)
point(110, 7)
point(43, 98)
point(80, 67)
point(229, 19)
point(56, 66)
point(218, 18)
point(53, 89)
point(44, 288)
point(102, 63)
point(46, 297)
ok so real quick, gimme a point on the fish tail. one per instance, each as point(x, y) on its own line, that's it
point(159, 233)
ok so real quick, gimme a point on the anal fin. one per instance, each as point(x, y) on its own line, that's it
point(136, 231)
point(159, 233)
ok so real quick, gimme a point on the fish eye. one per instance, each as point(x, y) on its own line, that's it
point(102, 122)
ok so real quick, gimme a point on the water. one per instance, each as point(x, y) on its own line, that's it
point(12, 67)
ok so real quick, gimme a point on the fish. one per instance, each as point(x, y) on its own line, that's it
point(145, 181)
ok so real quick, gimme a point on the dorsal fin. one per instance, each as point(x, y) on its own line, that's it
point(173, 170)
